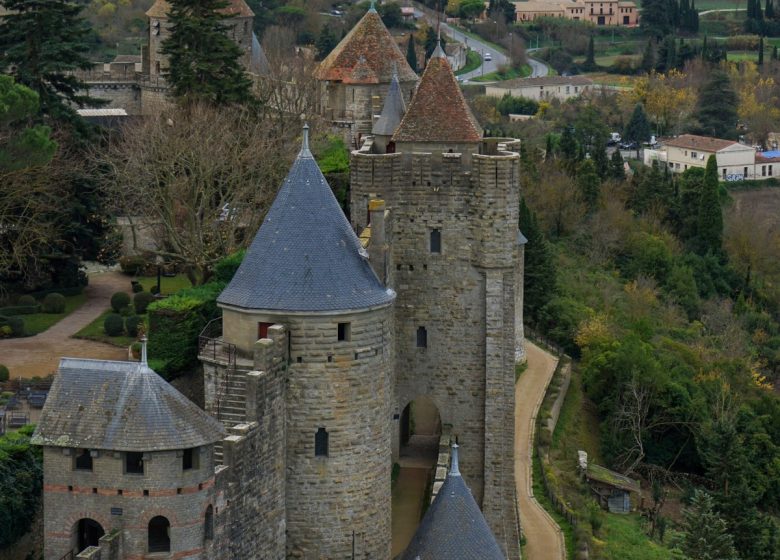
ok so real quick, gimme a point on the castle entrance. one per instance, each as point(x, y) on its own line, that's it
point(86, 532)
point(420, 430)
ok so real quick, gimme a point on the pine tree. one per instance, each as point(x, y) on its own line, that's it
point(539, 283)
point(648, 57)
point(590, 57)
point(41, 43)
point(761, 51)
point(203, 60)
point(656, 17)
point(717, 114)
point(769, 11)
point(705, 534)
point(326, 42)
point(710, 222)
point(616, 167)
point(589, 183)
point(638, 128)
point(411, 53)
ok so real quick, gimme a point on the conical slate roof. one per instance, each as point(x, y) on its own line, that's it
point(305, 256)
point(392, 111)
point(438, 111)
point(370, 39)
point(258, 63)
point(453, 527)
point(120, 406)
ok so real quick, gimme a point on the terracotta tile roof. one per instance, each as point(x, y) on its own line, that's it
point(362, 73)
point(703, 143)
point(371, 39)
point(438, 111)
point(238, 8)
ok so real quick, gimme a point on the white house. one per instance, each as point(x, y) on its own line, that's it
point(549, 87)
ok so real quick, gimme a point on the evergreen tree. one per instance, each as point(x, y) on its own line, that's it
point(616, 168)
point(568, 145)
point(774, 53)
point(710, 222)
point(705, 53)
point(203, 59)
point(686, 212)
point(761, 51)
point(655, 17)
point(431, 40)
point(41, 43)
point(705, 535)
point(769, 11)
point(590, 57)
point(539, 283)
point(648, 57)
point(411, 53)
point(717, 113)
point(638, 128)
point(589, 183)
point(751, 9)
point(548, 149)
point(599, 156)
point(326, 42)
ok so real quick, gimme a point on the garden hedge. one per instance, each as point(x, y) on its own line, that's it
point(19, 310)
point(21, 484)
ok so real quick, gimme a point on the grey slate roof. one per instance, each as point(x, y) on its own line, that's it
point(258, 63)
point(453, 527)
point(305, 256)
point(120, 406)
point(392, 111)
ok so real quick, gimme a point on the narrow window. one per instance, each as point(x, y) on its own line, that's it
point(159, 534)
point(189, 459)
point(763, 170)
point(770, 170)
point(745, 175)
point(344, 332)
point(724, 173)
point(208, 524)
point(436, 241)
point(321, 443)
point(262, 330)
point(84, 460)
point(134, 462)
point(422, 337)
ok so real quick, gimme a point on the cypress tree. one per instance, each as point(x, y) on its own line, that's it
point(411, 53)
point(601, 161)
point(548, 149)
point(710, 222)
point(751, 9)
point(590, 57)
point(41, 43)
point(638, 128)
point(758, 11)
point(648, 57)
point(589, 183)
point(540, 274)
point(761, 50)
point(774, 53)
point(568, 149)
point(769, 12)
point(203, 59)
point(616, 170)
point(704, 50)
point(326, 42)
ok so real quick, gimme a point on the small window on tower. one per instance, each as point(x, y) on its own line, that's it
point(344, 332)
point(134, 462)
point(422, 337)
point(321, 443)
point(189, 459)
point(84, 460)
point(436, 241)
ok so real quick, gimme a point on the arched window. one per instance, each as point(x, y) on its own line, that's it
point(208, 524)
point(87, 532)
point(321, 443)
point(159, 534)
point(422, 337)
point(84, 460)
point(435, 241)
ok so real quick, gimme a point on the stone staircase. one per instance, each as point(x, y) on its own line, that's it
point(230, 407)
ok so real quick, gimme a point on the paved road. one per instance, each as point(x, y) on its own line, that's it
point(723, 10)
point(40, 354)
point(544, 540)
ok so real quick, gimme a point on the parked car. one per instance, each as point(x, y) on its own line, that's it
point(628, 146)
point(488, 56)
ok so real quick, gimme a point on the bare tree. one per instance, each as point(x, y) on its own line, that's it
point(203, 176)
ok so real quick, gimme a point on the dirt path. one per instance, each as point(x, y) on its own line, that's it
point(544, 540)
point(40, 354)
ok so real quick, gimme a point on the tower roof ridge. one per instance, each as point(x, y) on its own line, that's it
point(370, 39)
point(438, 111)
point(305, 257)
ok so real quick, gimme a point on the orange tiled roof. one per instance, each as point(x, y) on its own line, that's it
point(438, 111)
point(237, 8)
point(370, 39)
point(362, 73)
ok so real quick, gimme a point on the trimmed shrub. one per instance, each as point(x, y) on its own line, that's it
point(26, 300)
point(137, 287)
point(141, 301)
point(16, 324)
point(5, 375)
point(54, 303)
point(133, 265)
point(114, 325)
point(132, 323)
point(126, 311)
point(226, 268)
point(119, 301)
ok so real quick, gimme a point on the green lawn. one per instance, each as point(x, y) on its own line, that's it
point(623, 538)
point(94, 331)
point(497, 76)
point(39, 322)
point(473, 60)
point(168, 285)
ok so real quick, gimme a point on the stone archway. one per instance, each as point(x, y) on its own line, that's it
point(420, 428)
point(86, 532)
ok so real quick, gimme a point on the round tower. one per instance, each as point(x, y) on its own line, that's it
point(307, 270)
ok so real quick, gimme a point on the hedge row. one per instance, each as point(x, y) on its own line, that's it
point(13, 310)
point(21, 484)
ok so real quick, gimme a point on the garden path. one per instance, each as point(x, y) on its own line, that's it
point(40, 354)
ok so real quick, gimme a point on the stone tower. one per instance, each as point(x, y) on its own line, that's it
point(128, 465)
point(453, 257)
point(239, 25)
point(354, 78)
point(307, 271)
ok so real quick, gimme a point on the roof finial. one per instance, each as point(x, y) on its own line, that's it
point(144, 360)
point(305, 152)
point(438, 52)
point(454, 471)
point(372, 8)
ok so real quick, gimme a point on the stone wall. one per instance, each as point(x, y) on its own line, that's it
point(464, 298)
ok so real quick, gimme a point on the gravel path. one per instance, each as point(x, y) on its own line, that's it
point(544, 540)
point(40, 354)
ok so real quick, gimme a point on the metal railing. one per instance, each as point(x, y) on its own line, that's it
point(211, 345)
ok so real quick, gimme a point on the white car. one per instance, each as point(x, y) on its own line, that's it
point(488, 56)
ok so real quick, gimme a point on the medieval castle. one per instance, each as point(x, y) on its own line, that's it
point(326, 339)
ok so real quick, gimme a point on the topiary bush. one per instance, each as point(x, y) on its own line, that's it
point(119, 301)
point(16, 324)
point(54, 303)
point(141, 301)
point(5, 375)
point(26, 300)
point(132, 323)
point(137, 287)
point(114, 325)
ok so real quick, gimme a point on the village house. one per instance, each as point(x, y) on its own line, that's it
point(597, 12)
point(541, 89)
